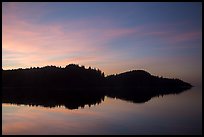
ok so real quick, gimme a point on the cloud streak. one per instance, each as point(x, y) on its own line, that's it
point(27, 42)
point(45, 34)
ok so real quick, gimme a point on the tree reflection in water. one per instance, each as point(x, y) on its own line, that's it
point(79, 97)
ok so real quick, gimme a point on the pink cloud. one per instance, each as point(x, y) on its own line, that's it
point(187, 36)
point(156, 33)
point(116, 33)
point(171, 39)
point(32, 44)
point(35, 43)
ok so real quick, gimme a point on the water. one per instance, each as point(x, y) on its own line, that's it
point(169, 114)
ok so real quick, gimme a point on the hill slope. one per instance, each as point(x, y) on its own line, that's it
point(141, 78)
point(75, 86)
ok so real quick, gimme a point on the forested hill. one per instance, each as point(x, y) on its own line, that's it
point(141, 78)
point(75, 86)
point(51, 76)
point(75, 76)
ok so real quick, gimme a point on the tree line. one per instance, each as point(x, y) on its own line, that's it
point(75, 86)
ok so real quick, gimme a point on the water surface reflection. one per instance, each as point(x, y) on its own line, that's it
point(78, 97)
point(171, 114)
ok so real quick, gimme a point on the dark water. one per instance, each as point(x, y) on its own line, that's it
point(170, 114)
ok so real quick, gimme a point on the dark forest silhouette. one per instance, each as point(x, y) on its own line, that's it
point(76, 86)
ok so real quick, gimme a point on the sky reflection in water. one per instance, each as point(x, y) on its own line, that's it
point(170, 114)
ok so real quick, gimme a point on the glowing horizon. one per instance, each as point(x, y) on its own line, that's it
point(163, 38)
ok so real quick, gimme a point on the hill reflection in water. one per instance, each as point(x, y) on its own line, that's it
point(76, 86)
point(79, 97)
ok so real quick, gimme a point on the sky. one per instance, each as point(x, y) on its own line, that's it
point(164, 39)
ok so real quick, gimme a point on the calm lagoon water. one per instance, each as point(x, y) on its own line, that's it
point(169, 114)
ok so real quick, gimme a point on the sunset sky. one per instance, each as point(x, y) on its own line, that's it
point(164, 39)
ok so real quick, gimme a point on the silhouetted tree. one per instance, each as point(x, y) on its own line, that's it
point(51, 85)
point(51, 76)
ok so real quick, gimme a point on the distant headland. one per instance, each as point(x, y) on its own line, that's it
point(75, 86)
point(74, 75)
